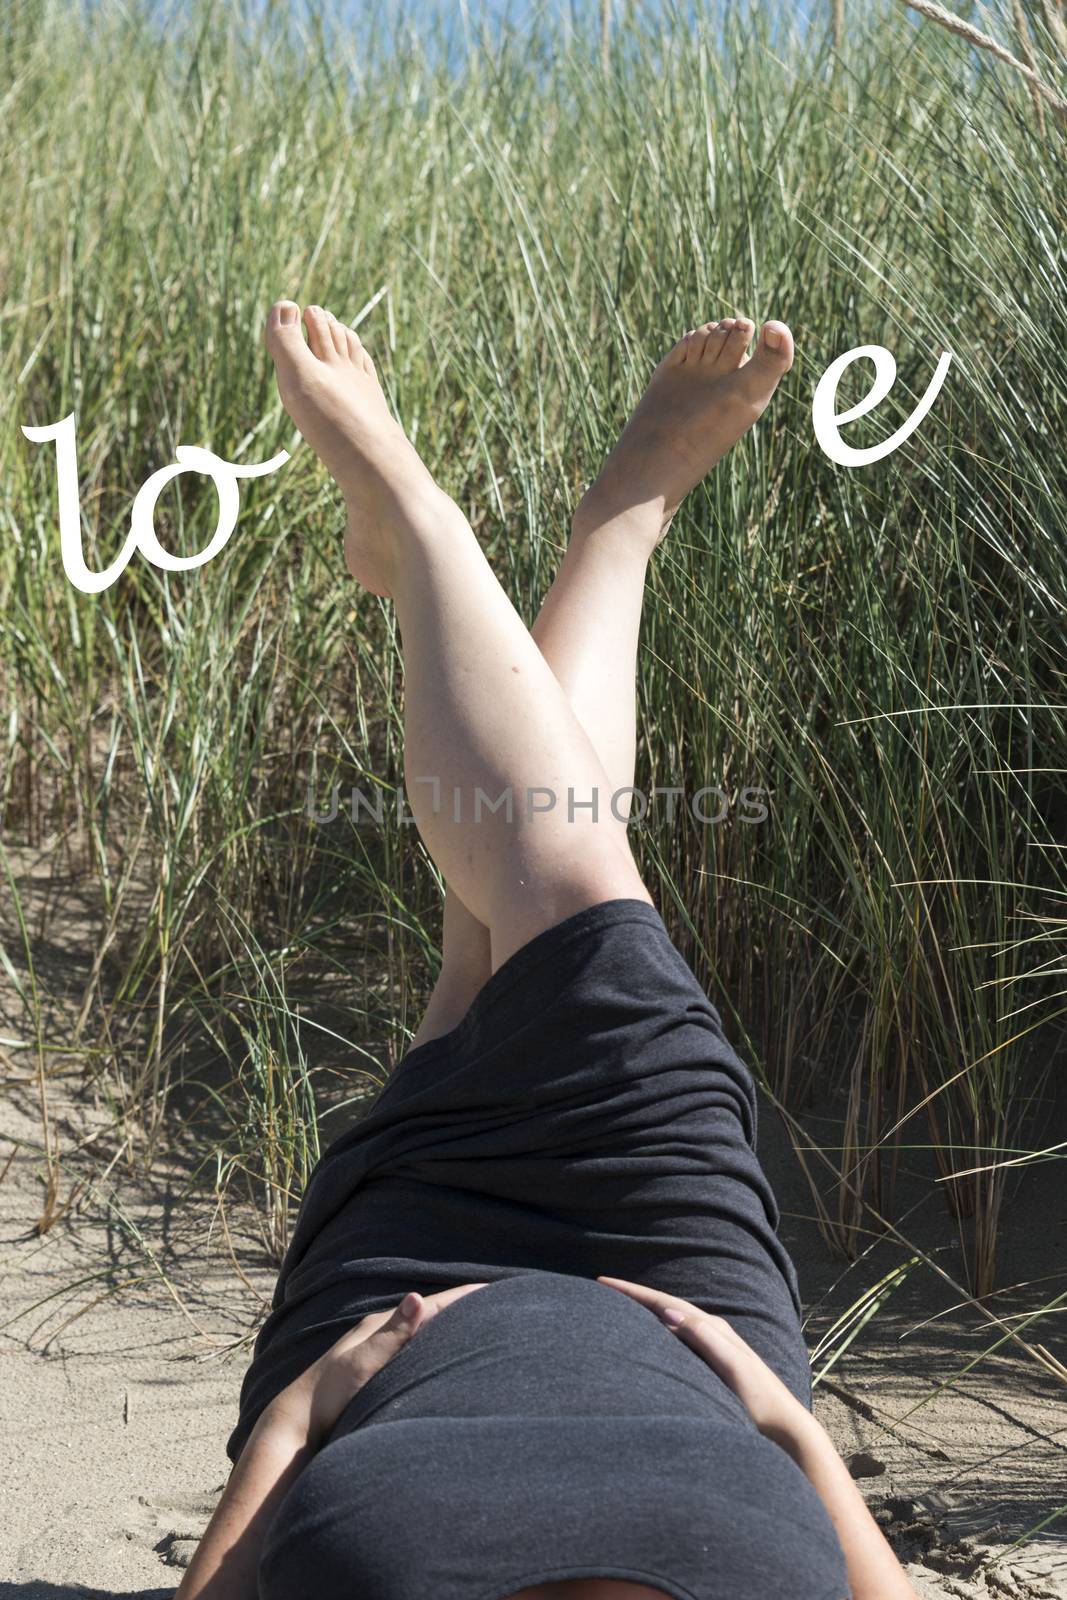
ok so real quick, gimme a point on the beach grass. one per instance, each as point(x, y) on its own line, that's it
point(520, 229)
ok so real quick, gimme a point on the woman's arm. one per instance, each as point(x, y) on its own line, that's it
point(226, 1561)
point(874, 1573)
point(287, 1434)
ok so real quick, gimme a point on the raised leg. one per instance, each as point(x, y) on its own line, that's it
point(702, 397)
point(511, 793)
point(705, 393)
point(505, 785)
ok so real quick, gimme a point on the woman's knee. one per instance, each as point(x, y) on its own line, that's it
point(528, 904)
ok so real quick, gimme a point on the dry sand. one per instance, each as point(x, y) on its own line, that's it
point(116, 1403)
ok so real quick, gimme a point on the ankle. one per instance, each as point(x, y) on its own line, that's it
point(600, 513)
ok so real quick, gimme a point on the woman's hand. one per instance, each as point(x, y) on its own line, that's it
point(775, 1410)
point(287, 1433)
point(874, 1573)
point(312, 1403)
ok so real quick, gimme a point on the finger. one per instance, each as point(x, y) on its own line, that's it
point(678, 1314)
point(715, 1327)
point(710, 1328)
point(445, 1297)
point(406, 1318)
point(654, 1299)
point(720, 1348)
point(407, 1314)
point(639, 1291)
point(712, 1349)
point(377, 1337)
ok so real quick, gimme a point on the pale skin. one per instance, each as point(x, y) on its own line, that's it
point(492, 705)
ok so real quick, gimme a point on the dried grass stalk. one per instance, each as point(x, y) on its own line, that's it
point(1052, 11)
point(985, 41)
point(605, 34)
point(1026, 51)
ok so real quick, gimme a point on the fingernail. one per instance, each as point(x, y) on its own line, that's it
point(672, 1316)
point(287, 315)
point(772, 338)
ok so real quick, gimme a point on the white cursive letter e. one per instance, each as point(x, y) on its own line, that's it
point(826, 420)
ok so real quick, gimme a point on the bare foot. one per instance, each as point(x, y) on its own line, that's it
point(702, 397)
point(330, 389)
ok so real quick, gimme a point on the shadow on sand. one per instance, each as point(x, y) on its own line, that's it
point(32, 1590)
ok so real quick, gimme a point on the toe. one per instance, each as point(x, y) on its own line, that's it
point(357, 353)
point(337, 335)
point(282, 332)
point(703, 338)
point(775, 346)
point(713, 345)
point(677, 353)
point(737, 340)
point(283, 314)
point(773, 357)
point(320, 341)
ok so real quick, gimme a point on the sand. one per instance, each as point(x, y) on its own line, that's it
point(115, 1402)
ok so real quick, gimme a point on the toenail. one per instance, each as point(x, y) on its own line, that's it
point(316, 311)
point(772, 338)
point(287, 314)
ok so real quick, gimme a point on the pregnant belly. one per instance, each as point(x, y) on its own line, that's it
point(544, 1344)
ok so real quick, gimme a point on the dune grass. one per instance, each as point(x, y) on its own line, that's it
point(520, 233)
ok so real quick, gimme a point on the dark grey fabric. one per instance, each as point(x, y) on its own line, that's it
point(546, 1427)
point(586, 1116)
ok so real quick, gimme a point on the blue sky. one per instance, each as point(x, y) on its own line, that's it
point(452, 24)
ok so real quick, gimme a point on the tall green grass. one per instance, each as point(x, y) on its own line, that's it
point(880, 649)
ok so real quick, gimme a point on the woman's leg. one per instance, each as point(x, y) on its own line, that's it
point(702, 397)
point(589, 624)
point(466, 962)
point(505, 785)
point(507, 788)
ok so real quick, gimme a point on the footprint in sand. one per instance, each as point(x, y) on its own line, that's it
point(172, 1527)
